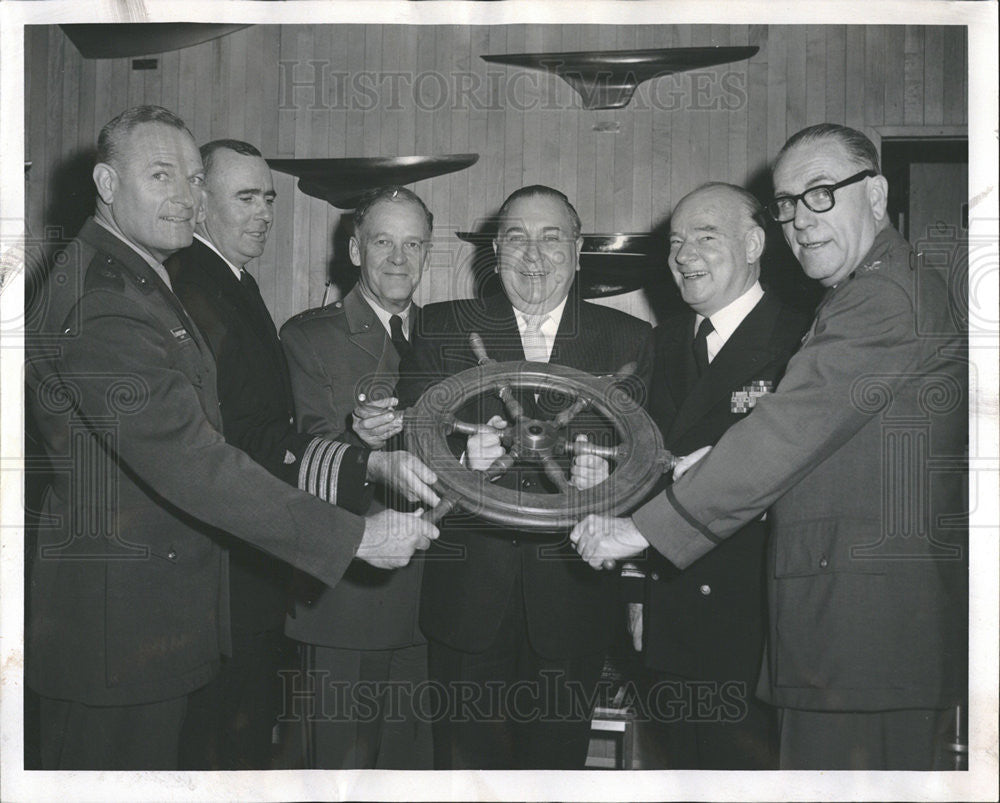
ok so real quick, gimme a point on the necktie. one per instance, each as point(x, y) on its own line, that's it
point(399, 341)
point(533, 341)
point(251, 292)
point(700, 345)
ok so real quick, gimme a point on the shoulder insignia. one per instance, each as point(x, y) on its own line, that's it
point(870, 266)
point(104, 273)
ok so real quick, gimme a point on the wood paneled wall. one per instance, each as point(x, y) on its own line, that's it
point(400, 90)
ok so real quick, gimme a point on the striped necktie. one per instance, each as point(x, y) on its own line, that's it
point(533, 341)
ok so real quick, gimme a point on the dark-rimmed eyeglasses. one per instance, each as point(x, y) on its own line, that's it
point(816, 199)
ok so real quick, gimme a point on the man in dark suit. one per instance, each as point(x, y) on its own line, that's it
point(860, 456)
point(229, 722)
point(703, 628)
point(517, 631)
point(363, 633)
point(128, 608)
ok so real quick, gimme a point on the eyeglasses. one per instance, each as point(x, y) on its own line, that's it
point(816, 199)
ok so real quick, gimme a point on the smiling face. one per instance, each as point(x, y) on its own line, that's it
point(715, 248)
point(538, 253)
point(391, 248)
point(830, 245)
point(239, 200)
point(152, 191)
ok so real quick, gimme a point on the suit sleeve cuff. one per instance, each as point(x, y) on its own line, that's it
point(335, 472)
point(672, 530)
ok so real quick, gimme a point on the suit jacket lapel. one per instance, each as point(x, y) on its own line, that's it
point(219, 278)
point(368, 333)
point(743, 355)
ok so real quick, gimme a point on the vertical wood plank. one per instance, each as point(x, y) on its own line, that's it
point(892, 97)
point(874, 75)
point(854, 107)
point(368, 97)
point(587, 152)
point(955, 72)
point(913, 75)
point(169, 80)
point(513, 145)
point(568, 104)
point(663, 114)
point(735, 99)
point(836, 74)
point(795, 78)
point(717, 116)
point(757, 103)
point(496, 130)
point(933, 75)
point(777, 92)
point(816, 77)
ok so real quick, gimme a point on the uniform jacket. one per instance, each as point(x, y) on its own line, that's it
point(860, 454)
point(255, 397)
point(472, 571)
point(338, 355)
point(708, 621)
point(128, 595)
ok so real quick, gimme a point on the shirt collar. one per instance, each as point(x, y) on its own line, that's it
point(384, 315)
point(551, 326)
point(148, 258)
point(236, 271)
point(727, 320)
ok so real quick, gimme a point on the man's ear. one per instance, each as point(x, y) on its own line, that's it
point(579, 249)
point(754, 241)
point(106, 181)
point(878, 196)
point(354, 251)
point(496, 263)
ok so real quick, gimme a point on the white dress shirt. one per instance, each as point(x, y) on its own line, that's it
point(727, 320)
point(548, 329)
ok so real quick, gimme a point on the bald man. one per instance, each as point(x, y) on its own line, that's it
point(703, 628)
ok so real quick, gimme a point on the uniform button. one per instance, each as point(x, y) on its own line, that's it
point(526, 483)
point(109, 260)
point(361, 397)
point(823, 562)
point(513, 542)
point(705, 589)
point(365, 326)
point(172, 554)
point(291, 419)
point(655, 576)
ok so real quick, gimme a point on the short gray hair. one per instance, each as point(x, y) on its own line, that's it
point(860, 149)
point(109, 141)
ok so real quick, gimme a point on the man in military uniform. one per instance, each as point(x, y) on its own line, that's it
point(363, 633)
point(867, 564)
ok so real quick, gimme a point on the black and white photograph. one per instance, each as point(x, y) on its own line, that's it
point(447, 400)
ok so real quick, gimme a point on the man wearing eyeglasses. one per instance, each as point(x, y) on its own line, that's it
point(517, 626)
point(860, 455)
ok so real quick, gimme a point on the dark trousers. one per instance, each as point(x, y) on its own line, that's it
point(906, 739)
point(509, 707)
point(364, 713)
point(711, 724)
point(229, 722)
point(75, 736)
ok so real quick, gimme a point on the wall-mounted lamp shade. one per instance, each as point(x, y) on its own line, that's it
point(342, 182)
point(608, 79)
point(609, 263)
point(106, 41)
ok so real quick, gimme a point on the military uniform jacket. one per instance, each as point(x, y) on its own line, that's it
point(339, 355)
point(128, 594)
point(472, 571)
point(255, 397)
point(707, 622)
point(860, 454)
